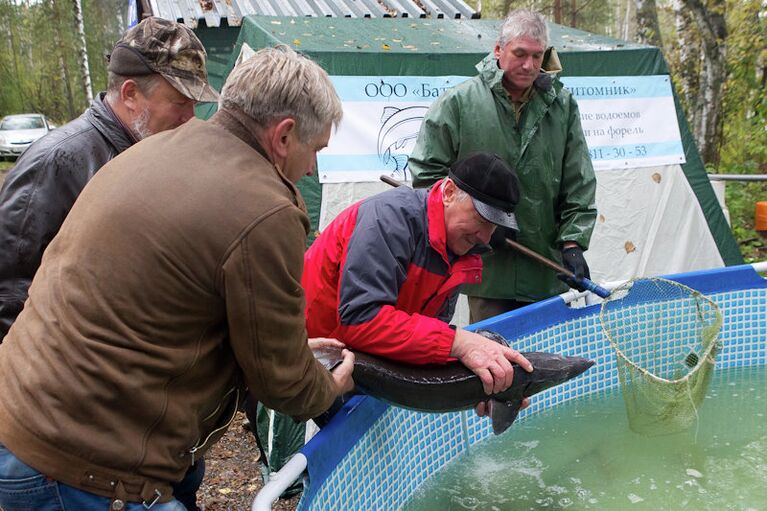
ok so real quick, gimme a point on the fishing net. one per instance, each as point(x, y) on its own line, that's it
point(665, 336)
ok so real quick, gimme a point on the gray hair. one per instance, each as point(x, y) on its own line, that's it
point(524, 23)
point(278, 83)
point(145, 83)
point(460, 195)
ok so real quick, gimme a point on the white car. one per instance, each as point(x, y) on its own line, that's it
point(17, 132)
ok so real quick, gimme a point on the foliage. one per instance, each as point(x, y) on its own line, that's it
point(741, 201)
point(744, 150)
point(38, 70)
point(591, 15)
point(744, 147)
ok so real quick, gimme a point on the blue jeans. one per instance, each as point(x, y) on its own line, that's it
point(22, 488)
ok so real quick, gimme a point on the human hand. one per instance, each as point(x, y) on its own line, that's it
point(325, 342)
point(488, 359)
point(483, 407)
point(342, 374)
point(573, 260)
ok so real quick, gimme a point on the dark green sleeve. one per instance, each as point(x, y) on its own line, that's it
point(437, 145)
point(577, 200)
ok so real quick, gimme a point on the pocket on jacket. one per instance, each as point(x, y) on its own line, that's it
point(216, 423)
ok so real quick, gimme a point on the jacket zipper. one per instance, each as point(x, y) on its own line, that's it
point(199, 445)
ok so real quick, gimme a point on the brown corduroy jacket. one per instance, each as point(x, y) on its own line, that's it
point(174, 283)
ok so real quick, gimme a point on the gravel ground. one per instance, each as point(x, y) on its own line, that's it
point(232, 476)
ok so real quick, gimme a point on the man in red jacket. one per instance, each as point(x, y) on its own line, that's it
point(384, 276)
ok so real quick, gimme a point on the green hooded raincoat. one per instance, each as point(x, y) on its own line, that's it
point(546, 148)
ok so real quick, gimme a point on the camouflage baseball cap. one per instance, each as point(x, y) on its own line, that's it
point(171, 49)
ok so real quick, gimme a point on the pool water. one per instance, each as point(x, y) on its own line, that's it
point(582, 455)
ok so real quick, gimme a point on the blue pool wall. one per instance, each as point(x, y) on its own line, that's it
point(373, 456)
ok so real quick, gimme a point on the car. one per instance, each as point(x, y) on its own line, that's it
point(17, 132)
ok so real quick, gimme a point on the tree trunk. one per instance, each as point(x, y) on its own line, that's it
point(625, 30)
point(85, 73)
point(58, 41)
point(648, 28)
point(710, 22)
point(558, 12)
point(574, 13)
point(688, 50)
point(507, 5)
point(14, 60)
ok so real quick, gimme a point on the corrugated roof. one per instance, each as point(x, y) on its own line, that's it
point(212, 12)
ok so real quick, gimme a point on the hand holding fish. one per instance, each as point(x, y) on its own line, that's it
point(489, 360)
point(325, 342)
point(342, 374)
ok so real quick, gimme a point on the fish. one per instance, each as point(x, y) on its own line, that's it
point(439, 388)
point(398, 132)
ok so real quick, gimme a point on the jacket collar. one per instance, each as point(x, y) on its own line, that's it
point(435, 214)
point(101, 116)
point(239, 124)
point(546, 85)
point(242, 126)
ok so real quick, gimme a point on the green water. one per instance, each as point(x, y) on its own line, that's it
point(582, 455)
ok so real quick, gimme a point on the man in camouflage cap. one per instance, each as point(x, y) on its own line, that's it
point(156, 76)
point(170, 49)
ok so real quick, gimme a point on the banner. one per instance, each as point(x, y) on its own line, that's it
point(628, 122)
point(382, 117)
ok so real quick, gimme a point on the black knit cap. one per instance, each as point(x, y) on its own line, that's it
point(492, 185)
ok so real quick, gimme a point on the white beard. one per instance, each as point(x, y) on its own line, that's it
point(139, 125)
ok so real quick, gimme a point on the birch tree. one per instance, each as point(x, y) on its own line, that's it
point(705, 104)
point(85, 73)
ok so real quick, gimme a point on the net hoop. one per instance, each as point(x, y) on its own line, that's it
point(708, 355)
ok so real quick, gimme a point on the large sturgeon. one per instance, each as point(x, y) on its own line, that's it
point(452, 387)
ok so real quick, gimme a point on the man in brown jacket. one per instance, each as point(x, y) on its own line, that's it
point(173, 285)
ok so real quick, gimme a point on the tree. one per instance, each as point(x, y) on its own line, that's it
point(648, 28)
point(58, 40)
point(85, 73)
point(744, 138)
point(706, 112)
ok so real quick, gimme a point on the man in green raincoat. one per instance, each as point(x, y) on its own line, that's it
point(517, 108)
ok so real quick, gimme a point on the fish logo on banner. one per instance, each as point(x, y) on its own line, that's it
point(397, 136)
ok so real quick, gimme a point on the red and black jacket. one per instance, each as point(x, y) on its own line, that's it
point(381, 279)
